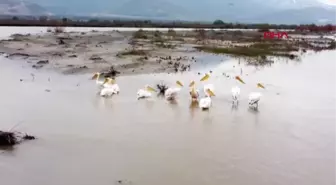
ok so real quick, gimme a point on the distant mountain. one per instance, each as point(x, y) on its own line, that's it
point(15, 7)
point(247, 11)
point(304, 16)
point(152, 8)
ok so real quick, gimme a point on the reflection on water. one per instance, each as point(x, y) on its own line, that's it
point(85, 139)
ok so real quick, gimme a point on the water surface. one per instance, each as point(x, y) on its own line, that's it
point(85, 139)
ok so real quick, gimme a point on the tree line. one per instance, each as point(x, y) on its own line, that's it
point(219, 24)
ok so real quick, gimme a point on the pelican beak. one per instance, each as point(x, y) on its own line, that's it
point(260, 85)
point(192, 83)
point(105, 81)
point(239, 79)
point(151, 89)
point(95, 76)
point(179, 83)
point(193, 92)
point(210, 92)
point(205, 77)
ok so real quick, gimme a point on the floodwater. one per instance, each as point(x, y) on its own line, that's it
point(85, 139)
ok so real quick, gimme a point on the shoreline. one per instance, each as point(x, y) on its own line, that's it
point(142, 52)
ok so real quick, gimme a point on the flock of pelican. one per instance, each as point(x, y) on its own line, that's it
point(109, 87)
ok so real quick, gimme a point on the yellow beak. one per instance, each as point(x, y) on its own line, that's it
point(205, 77)
point(151, 89)
point(95, 76)
point(210, 92)
point(192, 83)
point(260, 85)
point(239, 79)
point(105, 81)
point(179, 83)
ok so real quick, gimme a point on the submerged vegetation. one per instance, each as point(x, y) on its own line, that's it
point(13, 138)
point(132, 52)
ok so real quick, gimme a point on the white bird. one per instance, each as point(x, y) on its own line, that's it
point(206, 102)
point(171, 92)
point(207, 87)
point(194, 93)
point(99, 78)
point(254, 99)
point(146, 92)
point(235, 94)
point(110, 87)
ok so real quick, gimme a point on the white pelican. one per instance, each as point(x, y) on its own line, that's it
point(110, 87)
point(171, 92)
point(193, 92)
point(206, 102)
point(254, 97)
point(236, 90)
point(99, 78)
point(207, 86)
point(146, 92)
point(235, 94)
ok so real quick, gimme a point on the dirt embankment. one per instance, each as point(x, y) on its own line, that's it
point(145, 51)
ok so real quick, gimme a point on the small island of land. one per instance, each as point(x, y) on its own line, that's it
point(143, 51)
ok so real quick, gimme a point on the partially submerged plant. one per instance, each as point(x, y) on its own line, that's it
point(162, 88)
point(13, 138)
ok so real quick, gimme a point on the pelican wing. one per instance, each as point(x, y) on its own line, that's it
point(254, 97)
point(107, 91)
point(205, 103)
point(143, 94)
point(172, 92)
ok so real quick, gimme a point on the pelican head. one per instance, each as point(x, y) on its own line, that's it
point(210, 93)
point(260, 85)
point(95, 76)
point(150, 89)
point(179, 83)
point(205, 77)
point(109, 81)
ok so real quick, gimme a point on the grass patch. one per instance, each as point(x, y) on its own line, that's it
point(255, 50)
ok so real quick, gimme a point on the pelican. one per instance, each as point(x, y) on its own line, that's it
point(145, 92)
point(207, 86)
point(99, 78)
point(206, 102)
point(236, 90)
point(110, 87)
point(254, 97)
point(193, 92)
point(235, 94)
point(171, 92)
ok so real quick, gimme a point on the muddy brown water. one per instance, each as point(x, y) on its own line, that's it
point(85, 139)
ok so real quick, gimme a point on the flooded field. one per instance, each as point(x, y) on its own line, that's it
point(84, 139)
